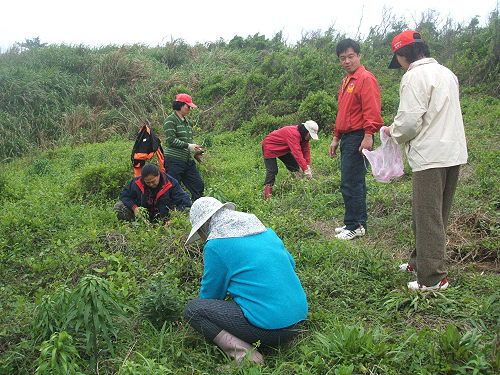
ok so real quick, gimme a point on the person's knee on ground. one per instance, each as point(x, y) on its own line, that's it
point(123, 212)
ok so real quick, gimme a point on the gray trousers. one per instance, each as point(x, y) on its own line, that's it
point(210, 316)
point(433, 191)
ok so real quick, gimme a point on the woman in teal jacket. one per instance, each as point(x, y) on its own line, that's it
point(249, 289)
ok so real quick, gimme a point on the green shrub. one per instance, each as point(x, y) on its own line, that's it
point(321, 107)
point(264, 123)
point(160, 303)
point(40, 167)
point(98, 182)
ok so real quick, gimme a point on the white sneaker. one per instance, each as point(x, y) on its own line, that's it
point(442, 285)
point(339, 229)
point(351, 234)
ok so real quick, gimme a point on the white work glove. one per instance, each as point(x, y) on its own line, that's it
point(308, 172)
point(193, 147)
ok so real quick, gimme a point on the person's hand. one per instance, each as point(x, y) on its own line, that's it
point(193, 147)
point(386, 130)
point(333, 147)
point(142, 214)
point(308, 172)
point(366, 143)
point(199, 157)
point(136, 210)
point(167, 223)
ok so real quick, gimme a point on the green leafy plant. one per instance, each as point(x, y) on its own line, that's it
point(143, 366)
point(95, 308)
point(50, 314)
point(461, 352)
point(160, 303)
point(58, 356)
point(321, 107)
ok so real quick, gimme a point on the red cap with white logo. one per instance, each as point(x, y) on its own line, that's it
point(401, 40)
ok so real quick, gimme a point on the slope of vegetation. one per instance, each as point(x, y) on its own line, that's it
point(84, 293)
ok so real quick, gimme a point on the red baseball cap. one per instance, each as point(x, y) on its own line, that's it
point(401, 40)
point(185, 98)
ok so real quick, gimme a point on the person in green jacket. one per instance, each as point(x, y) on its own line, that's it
point(180, 147)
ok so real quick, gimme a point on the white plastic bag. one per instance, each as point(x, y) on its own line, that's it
point(386, 160)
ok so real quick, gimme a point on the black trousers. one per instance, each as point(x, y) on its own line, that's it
point(185, 172)
point(272, 167)
point(210, 316)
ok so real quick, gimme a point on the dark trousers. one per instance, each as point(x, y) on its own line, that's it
point(352, 180)
point(210, 316)
point(185, 172)
point(272, 167)
point(433, 191)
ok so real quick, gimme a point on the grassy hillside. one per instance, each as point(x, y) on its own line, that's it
point(57, 226)
point(78, 288)
point(59, 95)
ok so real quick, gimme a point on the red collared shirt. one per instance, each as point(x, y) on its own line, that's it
point(359, 104)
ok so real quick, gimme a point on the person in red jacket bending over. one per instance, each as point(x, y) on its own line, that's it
point(290, 144)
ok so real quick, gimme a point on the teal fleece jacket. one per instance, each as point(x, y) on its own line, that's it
point(257, 271)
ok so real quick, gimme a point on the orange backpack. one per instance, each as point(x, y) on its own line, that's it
point(147, 144)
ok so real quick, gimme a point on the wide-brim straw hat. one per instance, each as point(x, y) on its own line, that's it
point(201, 211)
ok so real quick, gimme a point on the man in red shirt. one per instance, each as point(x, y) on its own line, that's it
point(358, 118)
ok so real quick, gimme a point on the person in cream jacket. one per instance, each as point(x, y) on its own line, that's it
point(430, 126)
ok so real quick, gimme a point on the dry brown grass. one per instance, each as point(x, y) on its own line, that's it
point(472, 238)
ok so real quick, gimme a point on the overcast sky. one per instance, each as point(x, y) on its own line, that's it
point(153, 22)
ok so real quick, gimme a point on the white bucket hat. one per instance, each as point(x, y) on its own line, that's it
point(201, 211)
point(312, 128)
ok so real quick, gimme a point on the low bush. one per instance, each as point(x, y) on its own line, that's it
point(99, 182)
point(160, 303)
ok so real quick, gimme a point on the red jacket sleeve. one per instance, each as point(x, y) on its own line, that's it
point(293, 141)
point(371, 105)
point(306, 151)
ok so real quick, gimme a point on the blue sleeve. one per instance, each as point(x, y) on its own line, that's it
point(215, 280)
point(128, 197)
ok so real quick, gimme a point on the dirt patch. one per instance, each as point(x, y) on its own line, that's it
point(326, 228)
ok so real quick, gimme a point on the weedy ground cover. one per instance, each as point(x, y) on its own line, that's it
point(59, 239)
point(82, 292)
